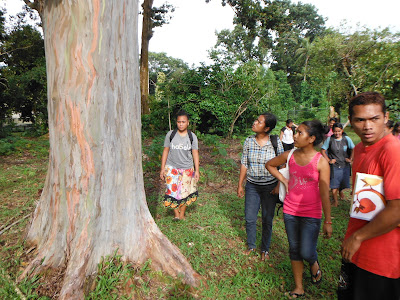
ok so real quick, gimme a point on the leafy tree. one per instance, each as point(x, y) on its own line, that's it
point(23, 73)
point(285, 93)
point(222, 98)
point(237, 46)
point(303, 54)
point(269, 27)
point(346, 64)
point(169, 66)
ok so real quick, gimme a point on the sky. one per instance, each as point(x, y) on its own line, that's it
point(191, 31)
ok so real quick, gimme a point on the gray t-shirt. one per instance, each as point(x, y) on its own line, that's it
point(179, 155)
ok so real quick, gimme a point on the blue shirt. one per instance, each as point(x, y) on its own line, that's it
point(254, 158)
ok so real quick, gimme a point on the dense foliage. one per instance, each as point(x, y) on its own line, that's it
point(279, 57)
point(22, 74)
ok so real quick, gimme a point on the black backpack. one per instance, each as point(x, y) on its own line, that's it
point(173, 133)
point(274, 141)
point(349, 151)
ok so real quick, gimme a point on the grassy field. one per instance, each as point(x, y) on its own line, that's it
point(212, 237)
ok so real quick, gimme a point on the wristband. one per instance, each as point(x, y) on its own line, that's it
point(328, 222)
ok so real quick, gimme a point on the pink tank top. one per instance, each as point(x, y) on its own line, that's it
point(303, 198)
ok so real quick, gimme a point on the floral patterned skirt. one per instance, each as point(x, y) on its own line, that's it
point(181, 187)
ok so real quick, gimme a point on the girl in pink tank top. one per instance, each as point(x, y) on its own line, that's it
point(308, 192)
point(303, 198)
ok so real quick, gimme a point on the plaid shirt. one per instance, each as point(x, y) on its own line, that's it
point(255, 157)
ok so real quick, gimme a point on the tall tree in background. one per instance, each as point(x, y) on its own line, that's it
point(23, 72)
point(347, 64)
point(160, 62)
point(4, 105)
point(152, 17)
point(303, 53)
point(268, 30)
point(93, 201)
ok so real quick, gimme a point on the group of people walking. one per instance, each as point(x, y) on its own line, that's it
point(370, 250)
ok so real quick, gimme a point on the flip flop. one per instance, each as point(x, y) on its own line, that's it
point(314, 279)
point(264, 255)
point(176, 219)
point(249, 251)
point(296, 295)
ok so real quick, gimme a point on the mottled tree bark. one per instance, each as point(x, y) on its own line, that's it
point(93, 201)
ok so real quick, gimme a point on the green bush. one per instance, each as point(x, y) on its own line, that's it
point(7, 146)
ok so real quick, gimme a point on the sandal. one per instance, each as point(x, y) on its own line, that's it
point(264, 255)
point(296, 295)
point(249, 251)
point(176, 219)
point(314, 278)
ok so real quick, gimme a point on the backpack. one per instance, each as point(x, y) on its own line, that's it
point(349, 151)
point(274, 141)
point(173, 133)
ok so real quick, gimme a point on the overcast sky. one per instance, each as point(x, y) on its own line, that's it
point(191, 32)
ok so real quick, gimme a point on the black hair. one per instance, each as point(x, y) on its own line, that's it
point(337, 125)
point(333, 119)
point(182, 113)
point(390, 124)
point(365, 99)
point(396, 127)
point(288, 121)
point(270, 121)
point(317, 129)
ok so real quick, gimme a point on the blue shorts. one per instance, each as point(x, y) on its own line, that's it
point(341, 178)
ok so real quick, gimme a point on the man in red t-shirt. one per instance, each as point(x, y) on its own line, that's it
point(373, 248)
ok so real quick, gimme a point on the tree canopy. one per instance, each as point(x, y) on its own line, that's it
point(315, 67)
point(23, 73)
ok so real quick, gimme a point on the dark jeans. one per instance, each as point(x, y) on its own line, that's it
point(302, 233)
point(358, 284)
point(256, 196)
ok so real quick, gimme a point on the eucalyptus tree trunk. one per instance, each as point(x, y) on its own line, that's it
point(93, 201)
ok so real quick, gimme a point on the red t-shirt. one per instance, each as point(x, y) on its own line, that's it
point(379, 255)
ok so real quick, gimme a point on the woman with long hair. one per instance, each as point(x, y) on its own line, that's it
point(307, 192)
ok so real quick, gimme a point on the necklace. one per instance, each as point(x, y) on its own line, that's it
point(337, 145)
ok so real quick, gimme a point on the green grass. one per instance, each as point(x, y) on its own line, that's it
point(212, 237)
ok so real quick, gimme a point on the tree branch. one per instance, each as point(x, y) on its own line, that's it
point(11, 225)
point(15, 50)
point(35, 4)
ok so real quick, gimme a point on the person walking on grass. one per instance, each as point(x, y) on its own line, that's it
point(308, 192)
point(337, 150)
point(261, 187)
point(286, 135)
point(371, 249)
point(180, 167)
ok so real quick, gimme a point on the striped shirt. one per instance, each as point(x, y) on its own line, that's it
point(255, 157)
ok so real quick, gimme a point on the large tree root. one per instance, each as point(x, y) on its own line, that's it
point(164, 256)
